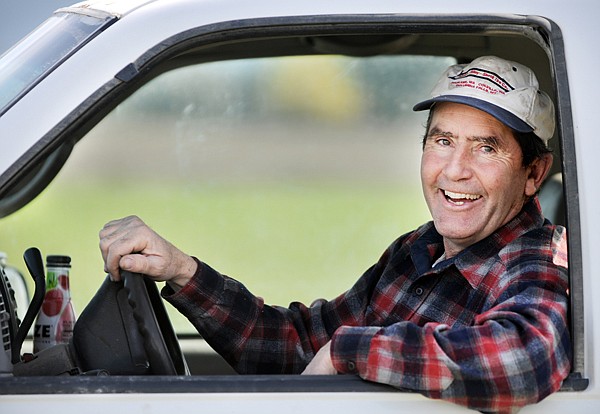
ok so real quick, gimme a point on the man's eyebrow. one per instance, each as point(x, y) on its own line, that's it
point(489, 140)
point(439, 133)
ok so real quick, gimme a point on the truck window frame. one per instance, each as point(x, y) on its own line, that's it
point(546, 33)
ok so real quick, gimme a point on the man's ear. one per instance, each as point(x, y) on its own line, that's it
point(537, 172)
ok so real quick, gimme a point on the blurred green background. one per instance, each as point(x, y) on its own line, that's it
point(294, 242)
point(291, 175)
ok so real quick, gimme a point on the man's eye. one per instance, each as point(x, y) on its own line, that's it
point(488, 149)
point(443, 141)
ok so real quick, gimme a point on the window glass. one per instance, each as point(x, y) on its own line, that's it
point(39, 53)
point(290, 174)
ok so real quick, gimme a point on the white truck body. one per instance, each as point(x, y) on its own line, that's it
point(143, 25)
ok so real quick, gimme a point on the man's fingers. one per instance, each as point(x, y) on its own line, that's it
point(129, 244)
point(120, 238)
point(135, 263)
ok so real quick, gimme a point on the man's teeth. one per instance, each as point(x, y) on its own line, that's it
point(458, 197)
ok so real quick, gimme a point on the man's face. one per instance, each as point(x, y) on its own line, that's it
point(472, 176)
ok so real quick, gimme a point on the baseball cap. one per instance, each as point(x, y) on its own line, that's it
point(506, 90)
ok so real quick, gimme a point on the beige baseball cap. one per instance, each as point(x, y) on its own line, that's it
point(506, 90)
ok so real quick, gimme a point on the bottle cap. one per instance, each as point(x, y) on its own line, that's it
point(58, 260)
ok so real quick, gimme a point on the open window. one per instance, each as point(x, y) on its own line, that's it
point(285, 153)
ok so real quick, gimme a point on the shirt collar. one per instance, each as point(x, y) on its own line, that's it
point(475, 261)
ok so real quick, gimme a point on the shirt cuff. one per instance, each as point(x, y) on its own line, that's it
point(201, 286)
point(350, 348)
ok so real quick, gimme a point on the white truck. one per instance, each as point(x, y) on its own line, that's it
point(243, 116)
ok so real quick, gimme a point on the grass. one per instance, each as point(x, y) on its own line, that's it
point(288, 242)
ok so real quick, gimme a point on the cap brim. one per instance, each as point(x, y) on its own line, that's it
point(500, 114)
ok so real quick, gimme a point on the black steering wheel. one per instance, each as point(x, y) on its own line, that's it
point(160, 342)
point(125, 330)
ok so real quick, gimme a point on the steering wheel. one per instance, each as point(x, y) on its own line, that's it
point(160, 341)
point(125, 330)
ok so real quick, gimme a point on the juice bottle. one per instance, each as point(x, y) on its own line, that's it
point(55, 322)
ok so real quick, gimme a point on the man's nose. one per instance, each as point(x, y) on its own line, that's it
point(459, 164)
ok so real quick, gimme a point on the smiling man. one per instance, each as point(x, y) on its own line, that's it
point(470, 308)
point(473, 176)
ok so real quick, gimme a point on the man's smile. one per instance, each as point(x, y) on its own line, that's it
point(460, 198)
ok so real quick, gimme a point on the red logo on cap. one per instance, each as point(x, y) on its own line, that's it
point(495, 85)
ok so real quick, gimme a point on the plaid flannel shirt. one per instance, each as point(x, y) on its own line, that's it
point(486, 329)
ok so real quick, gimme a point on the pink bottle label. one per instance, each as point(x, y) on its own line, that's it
point(56, 319)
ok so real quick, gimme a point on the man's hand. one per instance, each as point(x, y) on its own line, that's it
point(321, 363)
point(129, 244)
